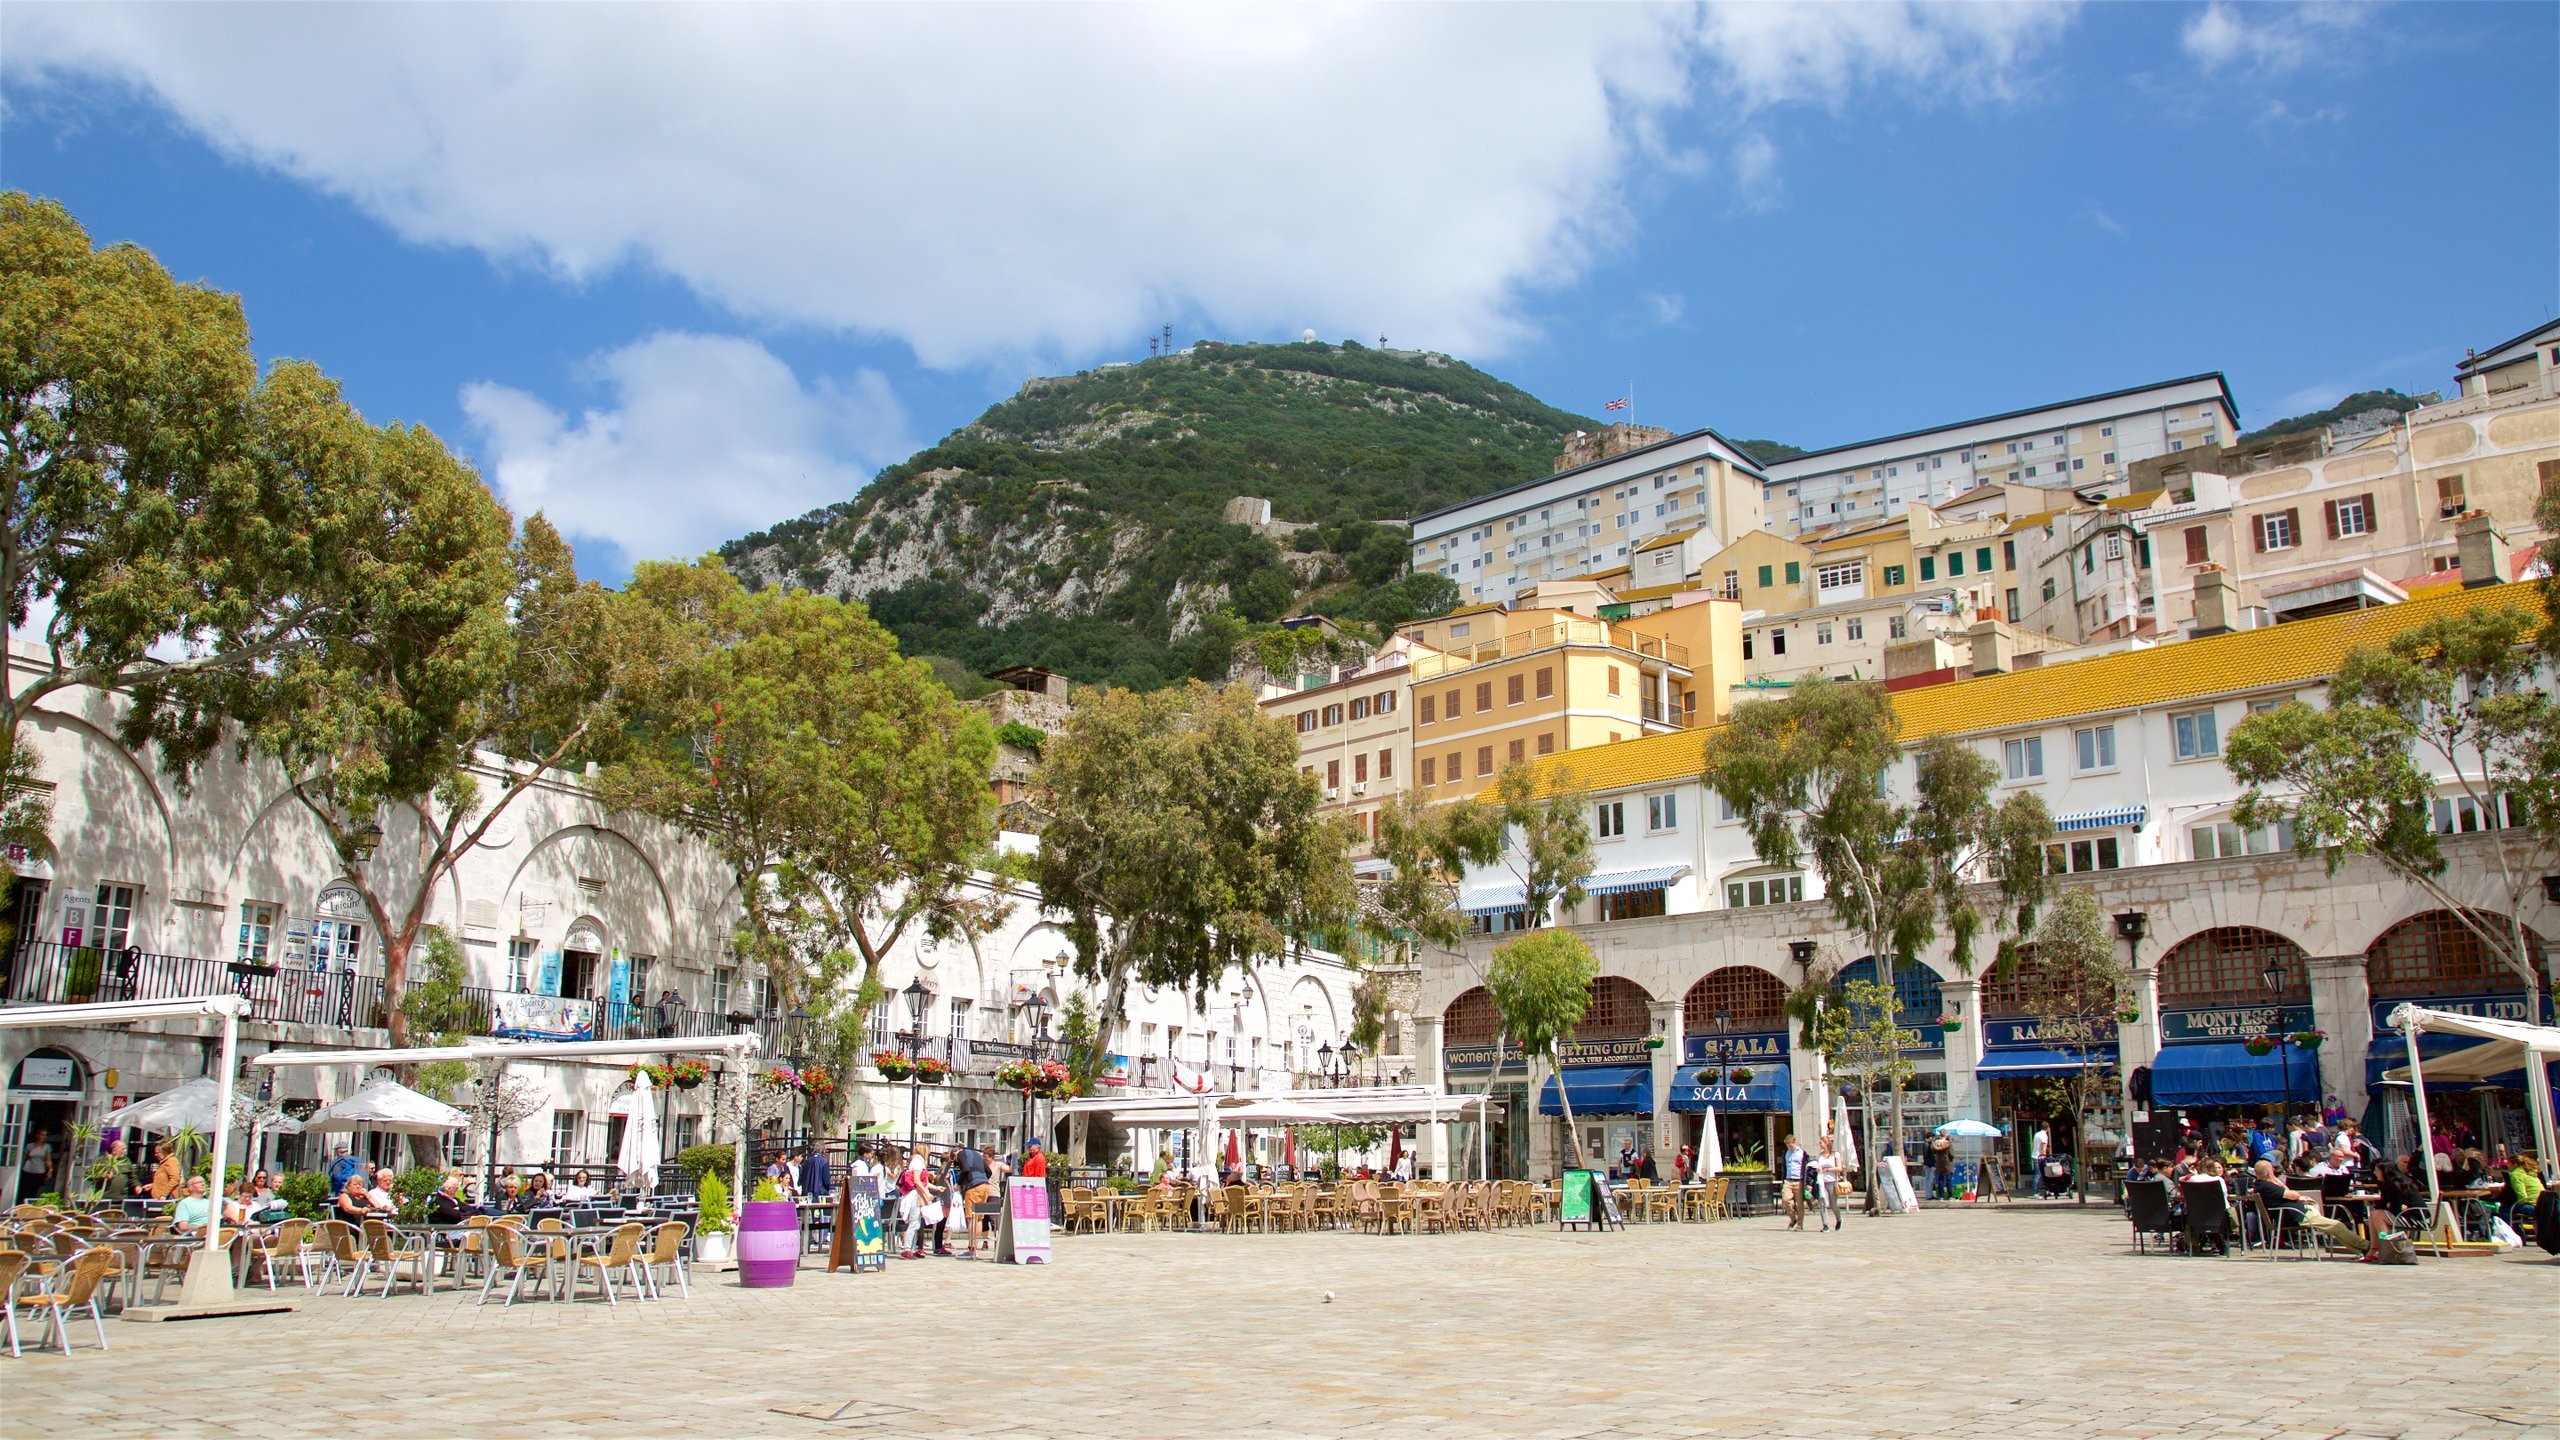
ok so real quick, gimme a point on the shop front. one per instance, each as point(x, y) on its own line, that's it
point(2222, 1060)
point(1746, 1080)
point(2021, 1072)
point(2484, 1114)
point(1612, 1105)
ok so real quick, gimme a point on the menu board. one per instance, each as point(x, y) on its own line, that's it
point(1023, 1238)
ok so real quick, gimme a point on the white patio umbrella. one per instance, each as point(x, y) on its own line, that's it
point(1842, 1138)
point(1710, 1148)
point(186, 1106)
point(638, 1160)
point(387, 1105)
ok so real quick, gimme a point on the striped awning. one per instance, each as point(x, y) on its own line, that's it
point(1618, 882)
point(2113, 817)
point(1494, 901)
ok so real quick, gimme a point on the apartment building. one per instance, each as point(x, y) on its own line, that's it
point(1355, 732)
point(2081, 444)
point(1499, 687)
point(1588, 519)
point(2126, 751)
point(2530, 362)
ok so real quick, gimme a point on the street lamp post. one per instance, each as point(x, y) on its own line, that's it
point(1038, 1005)
point(2273, 974)
point(918, 997)
point(796, 1035)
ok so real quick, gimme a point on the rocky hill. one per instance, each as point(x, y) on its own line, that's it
point(1087, 523)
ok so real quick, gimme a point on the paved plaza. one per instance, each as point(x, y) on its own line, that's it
point(2024, 1322)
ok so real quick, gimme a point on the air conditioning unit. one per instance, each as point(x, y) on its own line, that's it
point(1359, 790)
point(1332, 794)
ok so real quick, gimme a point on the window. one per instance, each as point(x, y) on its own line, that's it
point(113, 917)
point(1359, 767)
point(1733, 584)
point(2097, 746)
point(2048, 589)
point(1360, 708)
point(1766, 890)
point(1833, 577)
point(1857, 628)
point(2078, 855)
point(2008, 556)
point(1546, 683)
point(565, 1126)
point(1778, 641)
point(2197, 737)
point(1332, 775)
point(1430, 771)
point(1430, 710)
point(1982, 560)
point(2024, 758)
point(1613, 679)
point(1764, 577)
point(1519, 751)
point(2226, 841)
point(1893, 574)
point(1662, 812)
point(1546, 742)
point(1515, 690)
point(2198, 552)
point(1928, 568)
point(1456, 767)
point(1386, 764)
point(2449, 497)
point(1385, 703)
point(2013, 604)
point(1484, 696)
point(1484, 760)
point(2463, 815)
point(1612, 820)
point(1449, 705)
point(1896, 628)
point(1822, 632)
point(2349, 518)
point(724, 986)
point(1634, 904)
point(257, 931)
point(2106, 430)
point(2281, 530)
point(1795, 573)
point(1955, 563)
point(520, 965)
point(959, 1019)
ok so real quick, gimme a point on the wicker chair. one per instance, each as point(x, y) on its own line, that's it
point(284, 1243)
point(512, 1251)
point(13, 1268)
point(666, 1247)
point(622, 1253)
point(341, 1252)
point(76, 1289)
point(391, 1251)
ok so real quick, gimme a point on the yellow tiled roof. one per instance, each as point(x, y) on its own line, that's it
point(1673, 538)
point(2138, 501)
point(2295, 653)
point(1656, 592)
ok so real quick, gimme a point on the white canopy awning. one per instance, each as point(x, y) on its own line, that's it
point(2504, 1044)
point(519, 1050)
point(388, 1105)
point(1354, 1104)
point(191, 1106)
point(1281, 1112)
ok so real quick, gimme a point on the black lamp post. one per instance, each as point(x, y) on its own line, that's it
point(1038, 1005)
point(795, 1033)
point(918, 997)
point(1324, 1062)
point(1350, 1063)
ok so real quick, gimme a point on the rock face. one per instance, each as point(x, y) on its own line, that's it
point(1148, 498)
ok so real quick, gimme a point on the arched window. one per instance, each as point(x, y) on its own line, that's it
point(2433, 954)
point(2227, 966)
point(1470, 1019)
point(1915, 990)
point(1619, 1010)
point(1750, 997)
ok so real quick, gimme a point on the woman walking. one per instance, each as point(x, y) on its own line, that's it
point(913, 1182)
point(1826, 1172)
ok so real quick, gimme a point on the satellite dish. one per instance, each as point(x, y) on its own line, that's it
point(1307, 335)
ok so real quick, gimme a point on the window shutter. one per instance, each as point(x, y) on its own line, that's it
point(2196, 552)
point(2293, 523)
point(2372, 517)
point(2258, 534)
point(2329, 516)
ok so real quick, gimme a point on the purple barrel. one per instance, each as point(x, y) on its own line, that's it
point(768, 1244)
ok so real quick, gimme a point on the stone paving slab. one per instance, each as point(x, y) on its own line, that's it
point(1945, 1324)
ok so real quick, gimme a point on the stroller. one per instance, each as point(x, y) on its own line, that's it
point(2054, 1177)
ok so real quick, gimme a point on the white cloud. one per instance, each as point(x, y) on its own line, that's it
point(1667, 308)
point(1024, 183)
point(1755, 168)
point(2268, 38)
point(707, 437)
point(2104, 221)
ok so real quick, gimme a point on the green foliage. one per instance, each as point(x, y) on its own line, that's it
point(1858, 1036)
point(1540, 985)
point(2356, 404)
point(2546, 513)
point(768, 1189)
point(713, 1197)
point(2359, 776)
point(1021, 736)
point(2076, 980)
point(1429, 848)
point(1339, 436)
point(305, 1193)
point(1768, 452)
point(1549, 824)
point(701, 1160)
point(26, 817)
point(434, 1002)
point(410, 1189)
point(80, 973)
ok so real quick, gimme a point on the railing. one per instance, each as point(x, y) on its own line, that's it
point(1678, 717)
point(47, 973)
point(1550, 637)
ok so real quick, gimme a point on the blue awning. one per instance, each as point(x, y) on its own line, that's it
point(2036, 1061)
point(1618, 882)
point(1771, 1089)
point(2223, 1072)
point(2112, 817)
point(1602, 1090)
point(1495, 900)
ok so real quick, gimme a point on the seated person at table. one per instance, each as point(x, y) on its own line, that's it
point(353, 1205)
point(2468, 1167)
point(537, 1194)
point(2305, 1209)
point(578, 1191)
point(510, 1198)
point(194, 1211)
point(445, 1206)
point(2523, 1191)
point(380, 1194)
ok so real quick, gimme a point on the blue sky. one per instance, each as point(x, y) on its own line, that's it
point(675, 274)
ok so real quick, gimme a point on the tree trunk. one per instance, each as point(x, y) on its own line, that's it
point(1482, 1111)
point(1572, 1141)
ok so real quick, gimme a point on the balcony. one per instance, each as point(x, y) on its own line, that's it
point(1549, 637)
point(1677, 717)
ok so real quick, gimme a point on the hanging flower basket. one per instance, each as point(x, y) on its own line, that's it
point(2260, 1044)
point(1739, 1075)
point(2129, 1016)
point(1951, 1023)
point(659, 1075)
point(686, 1074)
point(2309, 1039)
point(1653, 1042)
point(817, 1081)
point(892, 1065)
point(931, 1071)
point(1709, 1076)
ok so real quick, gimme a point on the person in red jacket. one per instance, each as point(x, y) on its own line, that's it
point(1035, 1161)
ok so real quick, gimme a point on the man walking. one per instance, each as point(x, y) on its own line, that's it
point(1791, 1183)
point(976, 1184)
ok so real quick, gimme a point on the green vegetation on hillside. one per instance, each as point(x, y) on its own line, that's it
point(2356, 404)
point(1034, 496)
point(1768, 452)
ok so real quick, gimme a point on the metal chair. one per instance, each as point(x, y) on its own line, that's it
point(666, 1247)
point(389, 1251)
point(621, 1252)
point(13, 1268)
point(512, 1251)
point(2146, 1204)
point(78, 1289)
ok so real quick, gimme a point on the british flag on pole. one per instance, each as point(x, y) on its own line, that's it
point(1617, 404)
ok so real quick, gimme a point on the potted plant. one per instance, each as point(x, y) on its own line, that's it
point(1739, 1075)
point(2309, 1039)
point(687, 1073)
point(768, 1239)
point(1708, 1075)
point(1951, 1022)
point(2260, 1044)
point(892, 1064)
point(932, 1071)
point(1022, 1075)
point(817, 1081)
point(712, 1230)
point(80, 976)
point(2129, 1015)
point(1057, 1082)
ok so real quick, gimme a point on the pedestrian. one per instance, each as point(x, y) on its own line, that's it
point(976, 1184)
point(1035, 1161)
point(1684, 1163)
point(1942, 1168)
point(119, 1176)
point(1791, 1181)
point(913, 1183)
point(342, 1167)
point(1826, 1178)
point(35, 1167)
point(167, 1180)
point(668, 1005)
point(817, 1174)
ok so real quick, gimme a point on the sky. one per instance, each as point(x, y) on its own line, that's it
point(672, 274)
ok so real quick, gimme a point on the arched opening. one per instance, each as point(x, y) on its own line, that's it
point(2434, 953)
point(45, 1093)
point(1917, 991)
point(1619, 1009)
point(1470, 1019)
point(2228, 966)
point(1748, 997)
